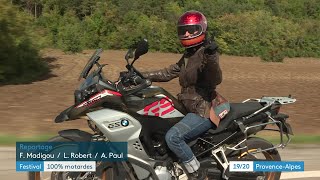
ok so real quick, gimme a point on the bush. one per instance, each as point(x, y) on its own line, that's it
point(70, 34)
point(257, 33)
point(271, 29)
point(272, 55)
point(70, 38)
point(308, 43)
point(19, 58)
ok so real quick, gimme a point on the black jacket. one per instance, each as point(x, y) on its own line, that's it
point(199, 73)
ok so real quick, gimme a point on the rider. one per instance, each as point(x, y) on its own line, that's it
point(199, 73)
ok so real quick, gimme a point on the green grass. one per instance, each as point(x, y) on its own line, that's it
point(297, 139)
point(10, 140)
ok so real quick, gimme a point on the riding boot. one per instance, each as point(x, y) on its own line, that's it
point(200, 174)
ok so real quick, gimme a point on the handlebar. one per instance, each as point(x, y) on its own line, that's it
point(137, 80)
point(132, 77)
point(130, 81)
point(139, 85)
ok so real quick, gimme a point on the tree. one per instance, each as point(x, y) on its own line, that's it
point(19, 59)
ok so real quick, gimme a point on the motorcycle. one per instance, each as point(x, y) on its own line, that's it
point(132, 110)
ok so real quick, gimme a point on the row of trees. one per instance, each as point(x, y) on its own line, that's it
point(271, 29)
point(268, 28)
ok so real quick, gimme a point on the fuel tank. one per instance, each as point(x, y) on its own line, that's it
point(155, 101)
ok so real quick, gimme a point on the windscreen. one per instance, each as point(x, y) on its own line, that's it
point(94, 58)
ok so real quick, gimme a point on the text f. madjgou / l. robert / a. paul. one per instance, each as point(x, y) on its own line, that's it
point(72, 155)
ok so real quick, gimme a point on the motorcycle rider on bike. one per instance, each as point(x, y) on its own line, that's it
point(199, 73)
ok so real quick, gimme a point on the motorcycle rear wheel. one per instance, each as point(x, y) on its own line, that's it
point(271, 155)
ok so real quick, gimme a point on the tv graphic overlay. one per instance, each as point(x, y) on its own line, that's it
point(67, 156)
point(266, 166)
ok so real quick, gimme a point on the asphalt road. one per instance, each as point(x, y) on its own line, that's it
point(308, 153)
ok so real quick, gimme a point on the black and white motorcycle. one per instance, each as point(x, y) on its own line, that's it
point(132, 110)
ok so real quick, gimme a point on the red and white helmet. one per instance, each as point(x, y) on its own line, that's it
point(192, 26)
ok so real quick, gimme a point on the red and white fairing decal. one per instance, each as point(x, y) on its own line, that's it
point(97, 97)
point(163, 108)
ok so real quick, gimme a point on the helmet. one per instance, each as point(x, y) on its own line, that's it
point(192, 26)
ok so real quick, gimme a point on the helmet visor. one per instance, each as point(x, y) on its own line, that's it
point(189, 31)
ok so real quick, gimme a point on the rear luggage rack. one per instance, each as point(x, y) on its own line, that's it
point(246, 120)
point(271, 100)
point(245, 131)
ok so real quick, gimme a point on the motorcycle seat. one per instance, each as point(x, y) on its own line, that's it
point(237, 110)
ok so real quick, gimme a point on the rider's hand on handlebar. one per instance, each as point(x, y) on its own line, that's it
point(124, 74)
point(137, 80)
point(130, 79)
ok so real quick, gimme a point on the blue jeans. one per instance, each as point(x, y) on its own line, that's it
point(190, 127)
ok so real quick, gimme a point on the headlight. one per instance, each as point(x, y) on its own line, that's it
point(77, 97)
point(81, 95)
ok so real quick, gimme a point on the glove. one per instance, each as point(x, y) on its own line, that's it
point(137, 80)
point(145, 74)
point(124, 74)
point(211, 48)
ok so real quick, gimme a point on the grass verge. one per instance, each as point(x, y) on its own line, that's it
point(296, 139)
point(10, 140)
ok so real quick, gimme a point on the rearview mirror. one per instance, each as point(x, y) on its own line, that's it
point(142, 48)
point(129, 54)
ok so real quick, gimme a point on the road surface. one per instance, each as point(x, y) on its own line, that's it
point(307, 153)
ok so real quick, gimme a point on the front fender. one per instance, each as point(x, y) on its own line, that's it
point(64, 115)
point(75, 135)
